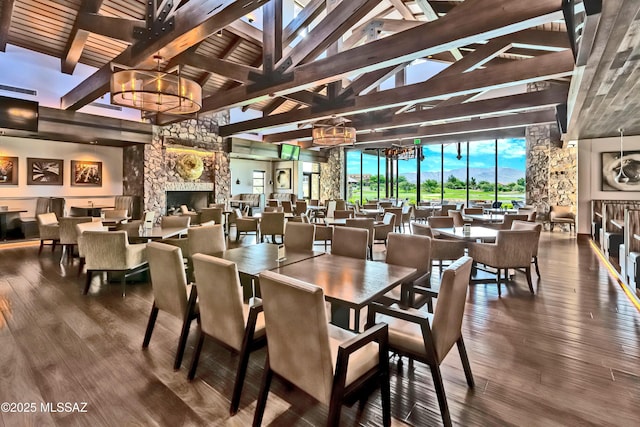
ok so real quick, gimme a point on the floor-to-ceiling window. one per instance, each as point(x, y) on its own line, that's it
point(311, 180)
point(454, 167)
point(465, 172)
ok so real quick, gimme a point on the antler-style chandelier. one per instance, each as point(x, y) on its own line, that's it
point(333, 134)
point(156, 91)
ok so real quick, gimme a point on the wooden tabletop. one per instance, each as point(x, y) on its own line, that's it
point(475, 233)
point(12, 211)
point(286, 215)
point(343, 221)
point(163, 232)
point(349, 281)
point(253, 259)
point(94, 206)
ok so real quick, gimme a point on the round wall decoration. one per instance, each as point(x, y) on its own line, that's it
point(190, 166)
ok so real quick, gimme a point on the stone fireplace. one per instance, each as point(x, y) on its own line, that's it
point(162, 158)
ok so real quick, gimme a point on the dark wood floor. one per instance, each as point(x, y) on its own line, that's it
point(568, 356)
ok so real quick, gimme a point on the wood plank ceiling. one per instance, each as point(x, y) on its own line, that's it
point(349, 48)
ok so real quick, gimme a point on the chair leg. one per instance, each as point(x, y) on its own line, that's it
point(498, 280)
point(41, 246)
point(529, 282)
point(87, 283)
point(241, 372)
point(442, 398)
point(465, 362)
point(150, 324)
point(535, 262)
point(182, 341)
point(81, 266)
point(53, 245)
point(196, 355)
point(385, 394)
point(263, 394)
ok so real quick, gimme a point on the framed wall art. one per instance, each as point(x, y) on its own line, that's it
point(86, 173)
point(611, 163)
point(8, 170)
point(44, 171)
point(283, 179)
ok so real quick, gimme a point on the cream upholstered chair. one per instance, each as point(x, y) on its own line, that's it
point(206, 239)
point(272, 223)
point(273, 209)
point(562, 215)
point(115, 213)
point(211, 214)
point(512, 249)
point(175, 221)
point(440, 221)
point(381, 231)
point(343, 213)
point(367, 224)
point(299, 236)
point(110, 251)
point(81, 228)
point(473, 211)
point(125, 203)
point(245, 224)
point(409, 251)
point(350, 242)
point(445, 208)
point(537, 227)
point(341, 205)
point(287, 206)
point(69, 234)
point(328, 363)
point(171, 293)
point(398, 217)
point(224, 317)
point(441, 249)
point(458, 220)
point(133, 230)
point(49, 229)
point(508, 220)
point(407, 213)
point(301, 207)
point(331, 208)
point(427, 337)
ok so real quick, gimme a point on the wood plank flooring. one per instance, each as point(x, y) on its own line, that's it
point(570, 355)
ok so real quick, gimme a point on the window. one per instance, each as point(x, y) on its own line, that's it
point(455, 173)
point(511, 169)
point(258, 182)
point(354, 176)
point(430, 173)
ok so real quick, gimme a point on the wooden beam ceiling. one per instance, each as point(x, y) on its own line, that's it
point(78, 37)
point(5, 22)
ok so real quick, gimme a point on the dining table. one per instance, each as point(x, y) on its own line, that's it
point(90, 209)
point(485, 218)
point(341, 222)
point(475, 233)
point(159, 233)
point(252, 260)
point(348, 283)
point(3, 220)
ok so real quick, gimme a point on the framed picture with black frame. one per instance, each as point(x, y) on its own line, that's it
point(283, 179)
point(8, 170)
point(86, 173)
point(45, 171)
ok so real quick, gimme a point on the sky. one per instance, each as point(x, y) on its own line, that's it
point(511, 153)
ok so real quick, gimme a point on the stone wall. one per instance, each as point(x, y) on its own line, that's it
point(332, 175)
point(563, 176)
point(169, 144)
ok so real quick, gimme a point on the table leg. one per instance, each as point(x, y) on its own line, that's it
point(3, 227)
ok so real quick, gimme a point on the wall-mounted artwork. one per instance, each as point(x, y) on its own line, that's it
point(283, 179)
point(9, 170)
point(611, 163)
point(86, 173)
point(44, 171)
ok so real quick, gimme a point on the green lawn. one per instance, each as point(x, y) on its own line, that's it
point(459, 196)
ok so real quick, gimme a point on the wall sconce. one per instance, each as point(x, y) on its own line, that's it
point(238, 181)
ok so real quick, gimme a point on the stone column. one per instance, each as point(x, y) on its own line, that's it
point(332, 175)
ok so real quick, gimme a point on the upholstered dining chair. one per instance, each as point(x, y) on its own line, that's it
point(206, 239)
point(211, 214)
point(441, 249)
point(110, 251)
point(171, 293)
point(273, 209)
point(458, 220)
point(512, 249)
point(245, 224)
point(48, 229)
point(322, 232)
point(537, 227)
point(381, 231)
point(343, 213)
point(440, 221)
point(299, 236)
point(409, 251)
point(428, 338)
point(175, 221)
point(115, 213)
point(272, 223)
point(69, 234)
point(301, 207)
point(562, 215)
point(341, 205)
point(328, 363)
point(81, 228)
point(287, 206)
point(508, 220)
point(473, 211)
point(398, 217)
point(123, 203)
point(367, 224)
point(225, 318)
point(350, 242)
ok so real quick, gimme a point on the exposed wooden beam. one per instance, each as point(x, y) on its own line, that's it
point(5, 23)
point(194, 22)
point(271, 34)
point(228, 69)
point(373, 79)
point(518, 132)
point(77, 37)
point(402, 8)
point(332, 27)
point(116, 28)
point(478, 20)
point(477, 125)
point(310, 12)
point(245, 30)
point(431, 15)
point(543, 67)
